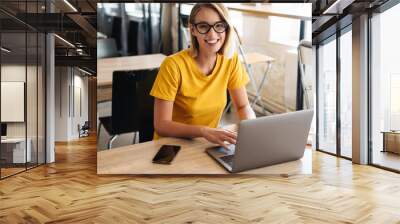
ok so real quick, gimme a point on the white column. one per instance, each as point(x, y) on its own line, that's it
point(360, 90)
point(50, 98)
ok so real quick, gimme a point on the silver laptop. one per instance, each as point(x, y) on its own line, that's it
point(266, 141)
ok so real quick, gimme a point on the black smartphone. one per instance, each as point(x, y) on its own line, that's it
point(166, 154)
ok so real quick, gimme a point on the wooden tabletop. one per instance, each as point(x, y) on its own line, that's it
point(295, 11)
point(191, 159)
point(254, 58)
point(300, 11)
point(106, 66)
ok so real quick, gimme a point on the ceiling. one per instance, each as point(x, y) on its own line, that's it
point(74, 21)
point(332, 15)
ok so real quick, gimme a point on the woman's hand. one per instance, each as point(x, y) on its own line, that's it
point(219, 136)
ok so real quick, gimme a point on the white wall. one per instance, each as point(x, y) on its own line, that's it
point(68, 83)
point(14, 72)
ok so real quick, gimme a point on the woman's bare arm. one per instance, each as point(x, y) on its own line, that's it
point(165, 126)
point(241, 102)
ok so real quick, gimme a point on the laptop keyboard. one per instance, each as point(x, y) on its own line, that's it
point(227, 159)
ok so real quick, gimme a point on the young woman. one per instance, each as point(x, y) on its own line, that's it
point(190, 88)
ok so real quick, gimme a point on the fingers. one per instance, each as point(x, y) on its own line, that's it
point(228, 137)
point(231, 132)
point(221, 143)
point(230, 140)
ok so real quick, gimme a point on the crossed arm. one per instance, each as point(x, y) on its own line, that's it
point(164, 125)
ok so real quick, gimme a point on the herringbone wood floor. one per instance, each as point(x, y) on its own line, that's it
point(69, 191)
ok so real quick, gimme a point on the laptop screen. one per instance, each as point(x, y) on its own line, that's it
point(3, 129)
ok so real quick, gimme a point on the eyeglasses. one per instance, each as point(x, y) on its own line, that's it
point(204, 27)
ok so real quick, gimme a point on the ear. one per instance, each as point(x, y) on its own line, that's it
point(191, 28)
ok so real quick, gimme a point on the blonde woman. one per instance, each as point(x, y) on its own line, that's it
point(190, 88)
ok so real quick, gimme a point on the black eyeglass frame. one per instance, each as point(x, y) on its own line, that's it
point(213, 26)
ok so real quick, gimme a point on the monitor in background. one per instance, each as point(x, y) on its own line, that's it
point(3, 130)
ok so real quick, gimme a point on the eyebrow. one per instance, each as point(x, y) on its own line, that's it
point(209, 23)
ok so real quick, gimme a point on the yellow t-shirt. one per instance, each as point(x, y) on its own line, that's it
point(199, 99)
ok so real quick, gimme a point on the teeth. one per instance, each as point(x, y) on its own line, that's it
point(211, 41)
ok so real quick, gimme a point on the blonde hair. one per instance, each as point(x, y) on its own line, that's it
point(226, 48)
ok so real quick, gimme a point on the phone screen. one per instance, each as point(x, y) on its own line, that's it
point(166, 154)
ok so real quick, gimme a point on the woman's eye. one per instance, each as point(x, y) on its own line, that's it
point(219, 26)
point(203, 26)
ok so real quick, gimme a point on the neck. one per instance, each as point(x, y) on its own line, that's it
point(206, 58)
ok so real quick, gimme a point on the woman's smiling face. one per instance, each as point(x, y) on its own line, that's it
point(212, 41)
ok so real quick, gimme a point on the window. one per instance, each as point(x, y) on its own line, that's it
point(346, 94)
point(289, 30)
point(327, 97)
point(394, 101)
point(385, 86)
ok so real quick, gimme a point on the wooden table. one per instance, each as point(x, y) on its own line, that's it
point(300, 11)
point(106, 67)
point(191, 159)
point(294, 11)
point(391, 141)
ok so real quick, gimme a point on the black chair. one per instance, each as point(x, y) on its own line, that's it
point(116, 31)
point(106, 25)
point(107, 48)
point(132, 106)
point(133, 32)
point(83, 130)
point(146, 104)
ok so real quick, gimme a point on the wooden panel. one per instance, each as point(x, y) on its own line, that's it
point(92, 85)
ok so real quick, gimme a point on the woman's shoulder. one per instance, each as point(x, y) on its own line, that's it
point(176, 59)
point(180, 55)
point(231, 59)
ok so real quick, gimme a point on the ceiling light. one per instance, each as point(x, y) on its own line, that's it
point(5, 50)
point(64, 40)
point(337, 7)
point(84, 71)
point(70, 5)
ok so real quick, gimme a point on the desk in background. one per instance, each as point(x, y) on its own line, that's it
point(295, 11)
point(13, 150)
point(106, 67)
point(391, 141)
point(191, 159)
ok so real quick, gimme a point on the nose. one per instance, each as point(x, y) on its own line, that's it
point(212, 33)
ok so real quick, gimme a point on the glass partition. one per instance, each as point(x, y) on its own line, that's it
point(327, 96)
point(346, 93)
point(385, 89)
point(22, 88)
point(13, 104)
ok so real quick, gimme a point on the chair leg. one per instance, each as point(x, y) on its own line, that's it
point(134, 138)
point(110, 141)
point(98, 132)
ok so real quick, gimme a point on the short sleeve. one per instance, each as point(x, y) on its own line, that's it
point(238, 77)
point(167, 81)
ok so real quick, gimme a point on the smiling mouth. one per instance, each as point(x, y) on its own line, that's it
point(212, 41)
